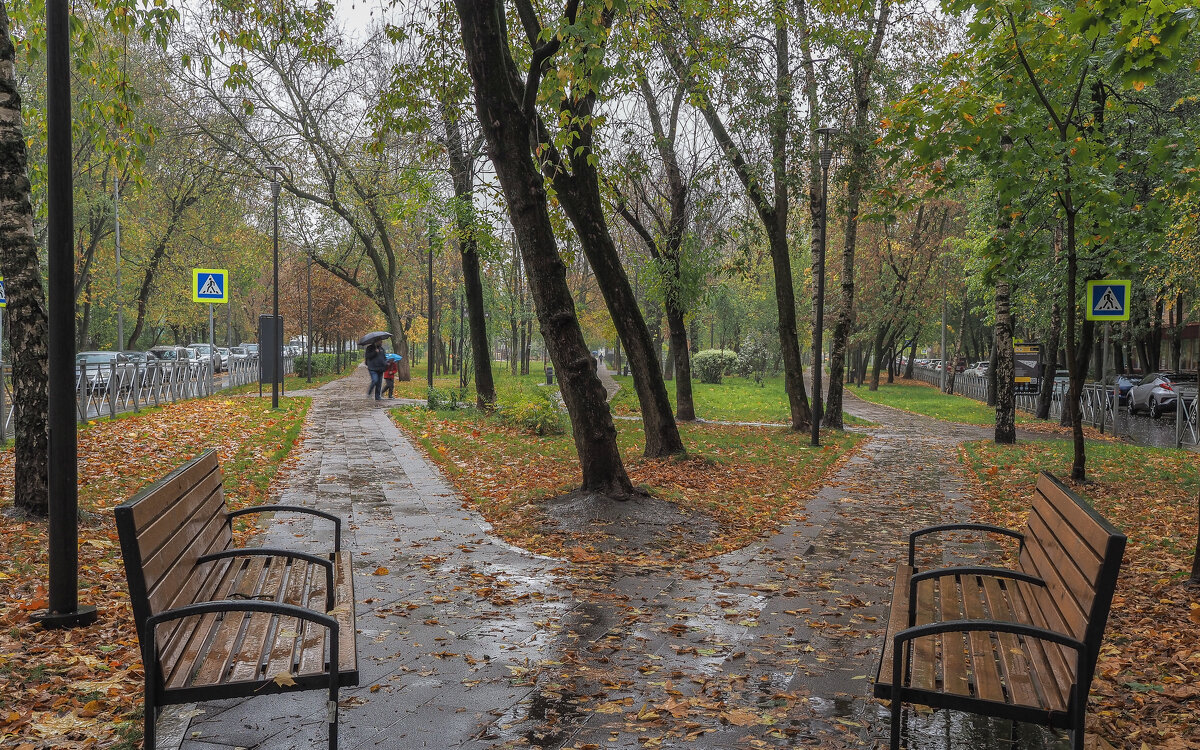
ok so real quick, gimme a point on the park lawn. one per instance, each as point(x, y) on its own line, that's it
point(502, 377)
point(1147, 682)
point(919, 398)
point(734, 399)
point(747, 479)
point(83, 687)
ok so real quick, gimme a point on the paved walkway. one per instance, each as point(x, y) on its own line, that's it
point(466, 642)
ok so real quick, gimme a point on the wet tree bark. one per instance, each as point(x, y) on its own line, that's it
point(1049, 361)
point(500, 96)
point(461, 172)
point(25, 318)
point(1006, 429)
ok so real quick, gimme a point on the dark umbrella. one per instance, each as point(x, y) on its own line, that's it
point(374, 336)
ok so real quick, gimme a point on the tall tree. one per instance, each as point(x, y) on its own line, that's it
point(567, 153)
point(681, 42)
point(505, 105)
point(26, 312)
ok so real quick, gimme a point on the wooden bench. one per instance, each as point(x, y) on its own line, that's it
point(218, 621)
point(1016, 644)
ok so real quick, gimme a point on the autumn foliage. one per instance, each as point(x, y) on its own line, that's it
point(83, 688)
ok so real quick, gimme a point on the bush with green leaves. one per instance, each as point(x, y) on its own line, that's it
point(533, 410)
point(753, 358)
point(710, 365)
point(323, 363)
point(447, 399)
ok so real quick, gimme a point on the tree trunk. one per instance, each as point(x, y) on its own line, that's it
point(1075, 357)
point(1049, 361)
point(960, 342)
point(877, 365)
point(508, 129)
point(1006, 429)
point(912, 355)
point(25, 317)
point(579, 194)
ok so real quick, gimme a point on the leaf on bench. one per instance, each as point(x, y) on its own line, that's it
point(283, 679)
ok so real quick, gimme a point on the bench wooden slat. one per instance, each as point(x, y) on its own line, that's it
point(247, 662)
point(1063, 564)
point(983, 657)
point(185, 643)
point(283, 649)
point(923, 675)
point(343, 584)
point(954, 646)
point(1059, 605)
point(312, 645)
point(157, 498)
point(897, 621)
point(230, 632)
point(1014, 656)
point(1051, 494)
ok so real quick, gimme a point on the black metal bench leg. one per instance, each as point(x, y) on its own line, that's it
point(896, 677)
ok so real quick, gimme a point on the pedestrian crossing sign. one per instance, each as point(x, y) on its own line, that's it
point(210, 285)
point(3, 294)
point(1108, 299)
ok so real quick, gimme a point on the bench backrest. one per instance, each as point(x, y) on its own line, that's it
point(1078, 554)
point(164, 528)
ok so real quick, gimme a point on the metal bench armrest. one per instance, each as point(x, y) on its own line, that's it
point(912, 537)
point(963, 570)
point(150, 646)
point(337, 521)
point(990, 626)
point(326, 563)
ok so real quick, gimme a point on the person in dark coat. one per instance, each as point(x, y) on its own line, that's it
point(376, 362)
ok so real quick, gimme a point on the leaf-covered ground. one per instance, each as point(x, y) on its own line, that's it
point(83, 688)
point(745, 479)
point(1147, 687)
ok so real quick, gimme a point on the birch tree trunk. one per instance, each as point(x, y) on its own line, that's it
point(25, 321)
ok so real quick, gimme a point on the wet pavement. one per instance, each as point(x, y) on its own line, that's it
point(467, 642)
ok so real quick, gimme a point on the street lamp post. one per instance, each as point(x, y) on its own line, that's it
point(308, 338)
point(819, 272)
point(62, 530)
point(277, 336)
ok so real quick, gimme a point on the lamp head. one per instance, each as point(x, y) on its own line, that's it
point(276, 171)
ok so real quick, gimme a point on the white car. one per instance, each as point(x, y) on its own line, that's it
point(979, 369)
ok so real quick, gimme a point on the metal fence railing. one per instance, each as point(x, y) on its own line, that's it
point(1099, 406)
point(105, 390)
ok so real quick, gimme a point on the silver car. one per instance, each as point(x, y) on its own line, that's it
point(96, 369)
point(1156, 392)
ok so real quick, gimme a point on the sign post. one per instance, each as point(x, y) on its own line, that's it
point(210, 285)
point(1107, 300)
point(3, 304)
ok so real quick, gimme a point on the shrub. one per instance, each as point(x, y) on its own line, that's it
point(753, 358)
point(711, 364)
point(323, 363)
point(447, 399)
point(534, 410)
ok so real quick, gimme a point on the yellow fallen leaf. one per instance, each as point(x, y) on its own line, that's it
point(283, 679)
point(381, 571)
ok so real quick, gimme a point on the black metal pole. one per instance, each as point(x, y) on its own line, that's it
point(429, 354)
point(63, 502)
point(277, 334)
point(819, 312)
point(308, 339)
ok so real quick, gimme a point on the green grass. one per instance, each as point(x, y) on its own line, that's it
point(930, 402)
point(502, 378)
point(735, 399)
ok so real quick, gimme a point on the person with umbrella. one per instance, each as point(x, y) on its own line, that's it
point(376, 360)
point(389, 374)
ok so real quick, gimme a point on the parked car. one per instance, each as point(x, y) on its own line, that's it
point(200, 351)
point(1156, 392)
point(224, 352)
point(171, 357)
point(251, 349)
point(99, 367)
point(979, 369)
point(1124, 383)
